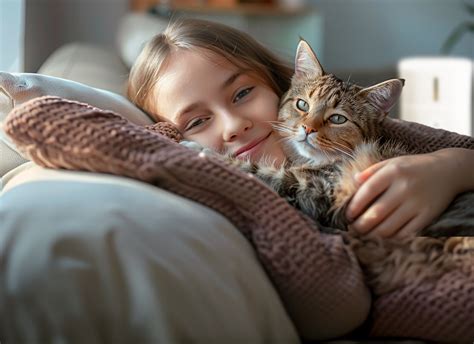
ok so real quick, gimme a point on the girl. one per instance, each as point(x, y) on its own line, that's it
point(221, 89)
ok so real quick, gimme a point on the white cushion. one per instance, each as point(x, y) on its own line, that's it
point(21, 87)
point(100, 258)
point(17, 88)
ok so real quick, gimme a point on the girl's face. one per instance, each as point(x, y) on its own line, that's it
point(217, 105)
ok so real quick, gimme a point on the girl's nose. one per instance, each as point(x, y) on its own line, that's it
point(234, 126)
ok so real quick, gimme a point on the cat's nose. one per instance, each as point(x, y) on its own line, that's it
point(308, 130)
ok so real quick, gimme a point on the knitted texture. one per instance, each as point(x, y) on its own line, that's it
point(316, 274)
point(418, 138)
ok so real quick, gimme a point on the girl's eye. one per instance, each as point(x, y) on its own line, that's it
point(337, 119)
point(242, 94)
point(302, 105)
point(195, 123)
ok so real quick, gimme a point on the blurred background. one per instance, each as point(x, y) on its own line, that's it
point(361, 39)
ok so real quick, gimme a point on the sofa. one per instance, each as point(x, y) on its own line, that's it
point(89, 257)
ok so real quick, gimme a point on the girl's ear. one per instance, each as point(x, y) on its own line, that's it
point(306, 62)
point(383, 95)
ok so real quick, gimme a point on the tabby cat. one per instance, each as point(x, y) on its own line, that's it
point(331, 130)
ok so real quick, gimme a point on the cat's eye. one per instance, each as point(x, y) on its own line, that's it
point(302, 105)
point(337, 119)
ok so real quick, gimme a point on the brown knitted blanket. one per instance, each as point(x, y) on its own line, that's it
point(316, 274)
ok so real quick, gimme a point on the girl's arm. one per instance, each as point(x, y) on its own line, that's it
point(405, 194)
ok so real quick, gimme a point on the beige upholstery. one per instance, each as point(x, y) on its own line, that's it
point(88, 64)
point(9, 156)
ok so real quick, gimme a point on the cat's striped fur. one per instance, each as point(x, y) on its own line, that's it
point(330, 130)
point(324, 155)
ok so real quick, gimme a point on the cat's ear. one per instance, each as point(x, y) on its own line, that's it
point(306, 62)
point(384, 95)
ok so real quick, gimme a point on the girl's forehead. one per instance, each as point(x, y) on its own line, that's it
point(189, 66)
point(202, 55)
point(189, 76)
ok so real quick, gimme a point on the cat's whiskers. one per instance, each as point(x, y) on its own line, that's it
point(284, 132)
point(276, 124)
point(334, 146)
point(283, 128)
point(285, 138)
point(326, 154)
point(331, 143)
point(343, 151)
point(286, 127)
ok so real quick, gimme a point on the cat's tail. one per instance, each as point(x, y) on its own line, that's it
point(390, 264)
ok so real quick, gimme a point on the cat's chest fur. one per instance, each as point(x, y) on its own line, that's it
point(309, 187)
point(320, 190)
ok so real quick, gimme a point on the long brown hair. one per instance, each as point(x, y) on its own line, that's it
point(236, 46)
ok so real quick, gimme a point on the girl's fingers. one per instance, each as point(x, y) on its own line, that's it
point(378, 211)
point(365, 195)
point(395, 222)
point(415, 225)
point(362, 176)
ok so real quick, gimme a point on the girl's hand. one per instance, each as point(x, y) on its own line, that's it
point(405, 194)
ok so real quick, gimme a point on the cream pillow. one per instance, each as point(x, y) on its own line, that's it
point(17, 88)
point(98, 258)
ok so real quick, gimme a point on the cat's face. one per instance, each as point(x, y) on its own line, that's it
point(323, 117)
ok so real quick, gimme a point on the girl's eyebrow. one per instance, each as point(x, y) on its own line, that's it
point(186, 110)
point(229, 81)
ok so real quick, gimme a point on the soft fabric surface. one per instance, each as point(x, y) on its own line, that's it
point(17, 88)
point(316, 275)
point(95, 65)
point(10, 158)
point(89, 258)
point(21, 87)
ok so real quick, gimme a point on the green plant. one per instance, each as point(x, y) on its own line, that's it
point(459, 31)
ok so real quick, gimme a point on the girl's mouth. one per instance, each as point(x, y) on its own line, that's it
point(251, 147)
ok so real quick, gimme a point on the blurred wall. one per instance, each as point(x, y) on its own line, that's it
point(51, 23)
point(366, 38)
point(12, 19)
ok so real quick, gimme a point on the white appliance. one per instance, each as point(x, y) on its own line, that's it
point(438, 92)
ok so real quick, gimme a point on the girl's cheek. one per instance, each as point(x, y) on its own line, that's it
point(208, 140)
